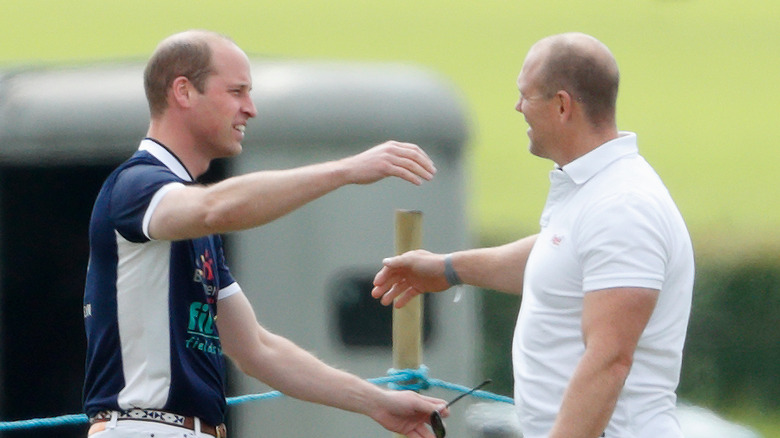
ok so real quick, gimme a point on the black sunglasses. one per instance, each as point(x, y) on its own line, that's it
point(437, 425)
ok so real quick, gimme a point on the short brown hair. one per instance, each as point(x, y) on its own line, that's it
point(188, 56)
point(590, 80)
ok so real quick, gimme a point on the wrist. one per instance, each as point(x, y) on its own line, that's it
point(449, 272)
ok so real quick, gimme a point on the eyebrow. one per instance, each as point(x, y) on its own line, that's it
point(240, 86)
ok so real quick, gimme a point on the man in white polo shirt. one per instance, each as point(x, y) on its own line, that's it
point(606, 283)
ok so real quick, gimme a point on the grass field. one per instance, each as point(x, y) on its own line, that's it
point(699, 80)
point(699, 84)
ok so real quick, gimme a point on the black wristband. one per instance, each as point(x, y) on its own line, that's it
point(449, 272)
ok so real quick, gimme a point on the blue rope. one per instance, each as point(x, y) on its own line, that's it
point(63, 420)
point(396, 379)
point(425, 382)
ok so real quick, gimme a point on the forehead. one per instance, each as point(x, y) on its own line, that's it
point(529, 72)
point(230, 63)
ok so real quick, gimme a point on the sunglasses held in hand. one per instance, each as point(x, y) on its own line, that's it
point(437, 424)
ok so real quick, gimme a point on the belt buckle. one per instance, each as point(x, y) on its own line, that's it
point(221, 431)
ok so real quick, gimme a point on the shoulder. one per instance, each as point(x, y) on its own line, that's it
point(629, 181)
point(141, 174)
point(143, 166)
point(628, 200)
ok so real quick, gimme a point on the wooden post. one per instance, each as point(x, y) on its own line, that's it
point(407, 321)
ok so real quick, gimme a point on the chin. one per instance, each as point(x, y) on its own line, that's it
point(229, 151)
point(234, 149)
point(537, 152)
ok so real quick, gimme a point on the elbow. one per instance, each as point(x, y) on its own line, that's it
point(214, 222)
point(241, 358)
point(620, 365)
point(218, 216)
point(612, 362)
point(240, 364)
point(253, 353)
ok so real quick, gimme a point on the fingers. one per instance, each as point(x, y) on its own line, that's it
point(417, 161)
point(409, 162)
point(441, 405)
point(384, 281)
point(381, 277)
point(415, 153)
point(408, 275)
point(404, 295)
point(407, 413)
point(429, 405)
point(392, 285)
point(421, 431)
point(399, 292)
point(403, 160)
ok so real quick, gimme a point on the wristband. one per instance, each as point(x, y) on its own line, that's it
point(449, 272)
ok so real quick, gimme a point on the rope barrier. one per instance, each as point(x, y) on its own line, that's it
point(415, 380)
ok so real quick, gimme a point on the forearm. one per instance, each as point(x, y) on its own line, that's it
point(499, 268)
point(251, 200)
point(299, 374)
point(285, 366)
point(590, 398)
point(415, 272)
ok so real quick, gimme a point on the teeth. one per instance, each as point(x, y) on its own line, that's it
point(241, 128)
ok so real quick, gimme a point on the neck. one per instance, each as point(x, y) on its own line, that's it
point(181, 145)
point(585, 141)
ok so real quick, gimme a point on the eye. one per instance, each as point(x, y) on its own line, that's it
point(238, 90)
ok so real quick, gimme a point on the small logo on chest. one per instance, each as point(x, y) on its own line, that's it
point(556, 239)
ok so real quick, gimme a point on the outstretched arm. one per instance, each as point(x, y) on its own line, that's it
point(283, 365)
point(254, 199)
point(499, 268)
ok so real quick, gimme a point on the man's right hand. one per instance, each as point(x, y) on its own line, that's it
point(410, 274)
point(403, 160)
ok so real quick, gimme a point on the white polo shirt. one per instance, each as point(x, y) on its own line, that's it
point(608, 222)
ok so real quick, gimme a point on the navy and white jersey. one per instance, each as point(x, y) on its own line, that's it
point(149, 305)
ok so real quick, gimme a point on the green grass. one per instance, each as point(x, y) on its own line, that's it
point(699, 80)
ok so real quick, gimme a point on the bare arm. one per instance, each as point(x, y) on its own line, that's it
point(283, 365)
point(254, 199)
point(499, 268)
point(612, 322)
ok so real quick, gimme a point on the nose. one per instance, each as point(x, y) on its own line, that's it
point(249, 107)
point(519, 105)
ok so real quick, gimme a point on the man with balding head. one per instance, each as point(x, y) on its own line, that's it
point(161, 306)
point(607, 282)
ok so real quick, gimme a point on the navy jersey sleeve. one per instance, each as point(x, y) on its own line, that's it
point(225, 278)
point(132, 195)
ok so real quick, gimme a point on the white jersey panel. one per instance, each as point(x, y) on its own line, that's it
point(142, 315)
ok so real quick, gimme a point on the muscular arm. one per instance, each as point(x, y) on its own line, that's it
point(283, 365)
point(254, 199)
point(612, 322)
point(499, 268)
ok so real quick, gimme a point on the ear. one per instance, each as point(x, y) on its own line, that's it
point(181, 92)
point(565, 104)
